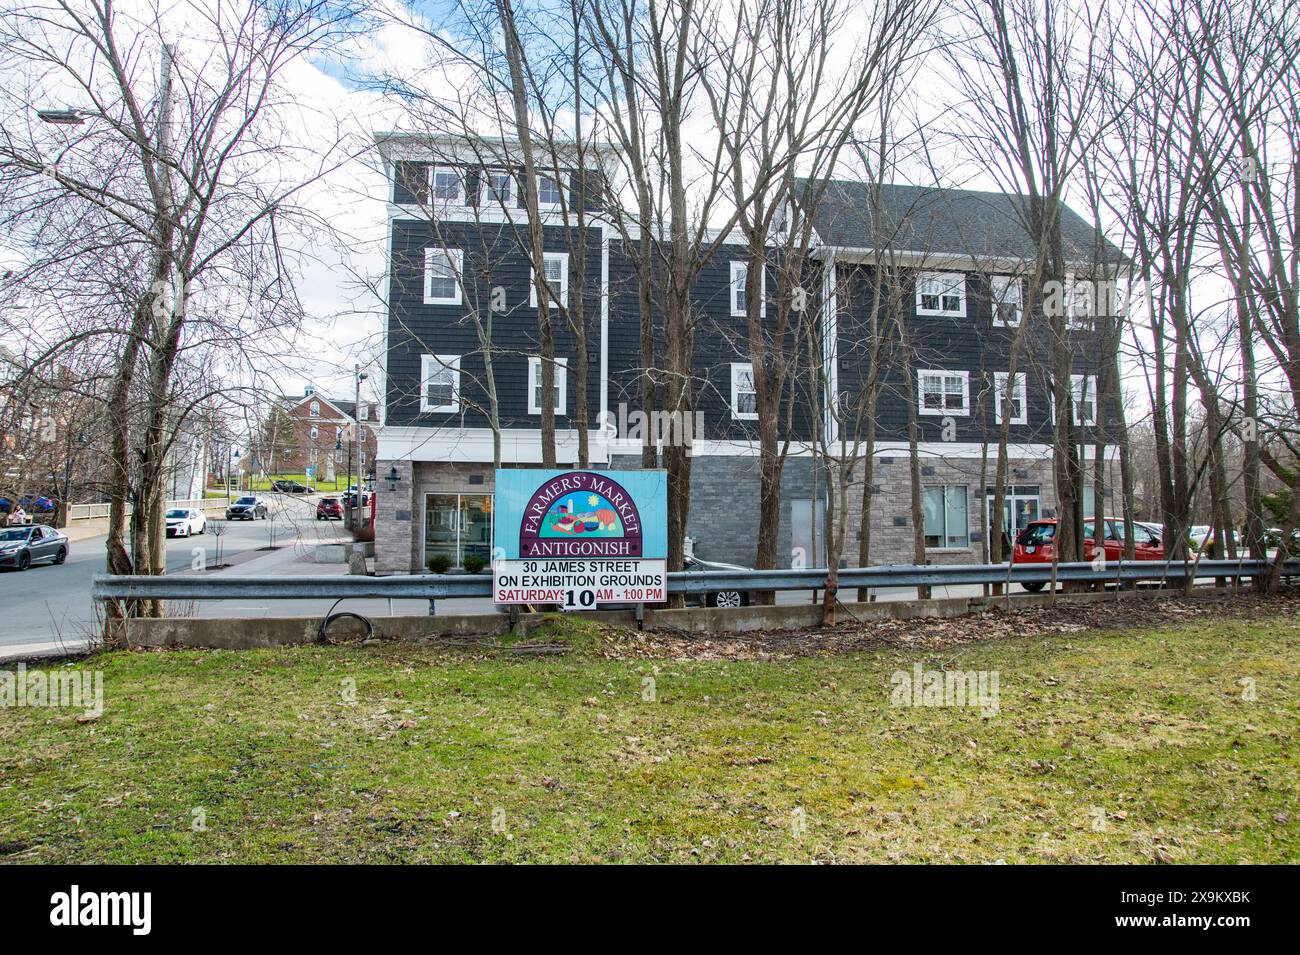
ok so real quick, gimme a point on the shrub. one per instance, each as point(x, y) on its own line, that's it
point(440, 563)
point(474, 564)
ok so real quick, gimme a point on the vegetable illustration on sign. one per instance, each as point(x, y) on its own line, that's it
point(580, 514)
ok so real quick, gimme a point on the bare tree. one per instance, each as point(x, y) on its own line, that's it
point(172, 176)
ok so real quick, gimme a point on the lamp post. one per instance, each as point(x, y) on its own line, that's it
point(360, 376)
point(66, 504)
point(338, 446)
point(232, 459)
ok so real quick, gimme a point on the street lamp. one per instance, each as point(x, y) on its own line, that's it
point(393, 478)
point(61, 117)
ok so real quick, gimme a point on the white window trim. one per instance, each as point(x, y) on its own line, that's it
point(739, 266)
point(1078, 384)
point(458, 173)
point(484, 196)
point(431, 363)
point(457, 259)
point(945, 545)
point(998, 285)
point(1080, 303)
point(741, 415)
point(922, 374)
point(564, 280)
point(558, 179)
point(960, 278)
point(999, 385)
point(313, 409)
point(1075, 391)
point(561, 384)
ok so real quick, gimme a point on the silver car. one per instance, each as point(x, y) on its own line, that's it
point(20, 547)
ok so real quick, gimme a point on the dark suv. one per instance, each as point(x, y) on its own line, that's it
point(246, 509)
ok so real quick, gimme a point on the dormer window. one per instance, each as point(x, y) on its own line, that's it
point(314, 409)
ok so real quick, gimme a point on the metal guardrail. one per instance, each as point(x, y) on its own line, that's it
point(442, 586)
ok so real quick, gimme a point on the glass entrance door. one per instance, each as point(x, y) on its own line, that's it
point(457, 526)
point(475, 527)
point(1020, 508)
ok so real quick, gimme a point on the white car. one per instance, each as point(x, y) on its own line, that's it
point(182, 522)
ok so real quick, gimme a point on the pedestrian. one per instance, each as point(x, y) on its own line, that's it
point(17, 516)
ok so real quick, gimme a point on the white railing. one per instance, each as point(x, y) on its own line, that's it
point(91, 512)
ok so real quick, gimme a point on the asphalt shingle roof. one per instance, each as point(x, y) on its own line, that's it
point(931, 220)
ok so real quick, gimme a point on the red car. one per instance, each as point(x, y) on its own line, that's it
point(1035, 545)
point(329, 509)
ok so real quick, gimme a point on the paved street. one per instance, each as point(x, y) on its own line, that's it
point(52, 605)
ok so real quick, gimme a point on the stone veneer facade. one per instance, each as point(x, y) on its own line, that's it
point(724, 506)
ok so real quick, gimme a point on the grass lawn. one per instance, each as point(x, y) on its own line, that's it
point(1108, 746)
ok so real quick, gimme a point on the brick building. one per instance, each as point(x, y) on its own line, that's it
point(314, 434)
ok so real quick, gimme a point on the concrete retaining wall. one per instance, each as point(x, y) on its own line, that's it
point(244, 634)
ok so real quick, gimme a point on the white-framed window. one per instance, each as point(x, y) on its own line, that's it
point(442, 270)
point(439, 383)
point(1083, 396)
point(557, 277)
point(314, 433)
point(535, 385)
point(314, 409)
point(1019, 413)
point(497, 189)
point(944, 392)
point(1083, 399)
point(739, 276)
point(941, 293)
point(946, 516)
point(744, 399)
point(1008, 299)
point(548, 191)
point(446, 184)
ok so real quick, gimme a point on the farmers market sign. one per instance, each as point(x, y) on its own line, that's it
point(580, 538)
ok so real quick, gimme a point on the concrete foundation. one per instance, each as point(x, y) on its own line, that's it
point(247, 634)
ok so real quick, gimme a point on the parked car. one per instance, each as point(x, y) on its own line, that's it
point(20, 547)
point(723, 598)
point(247, 509)
point(291, 487)
point(1036, 544)
point(350, 498)
point(329, 509)
point(183, 521)
point(1202, 535)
